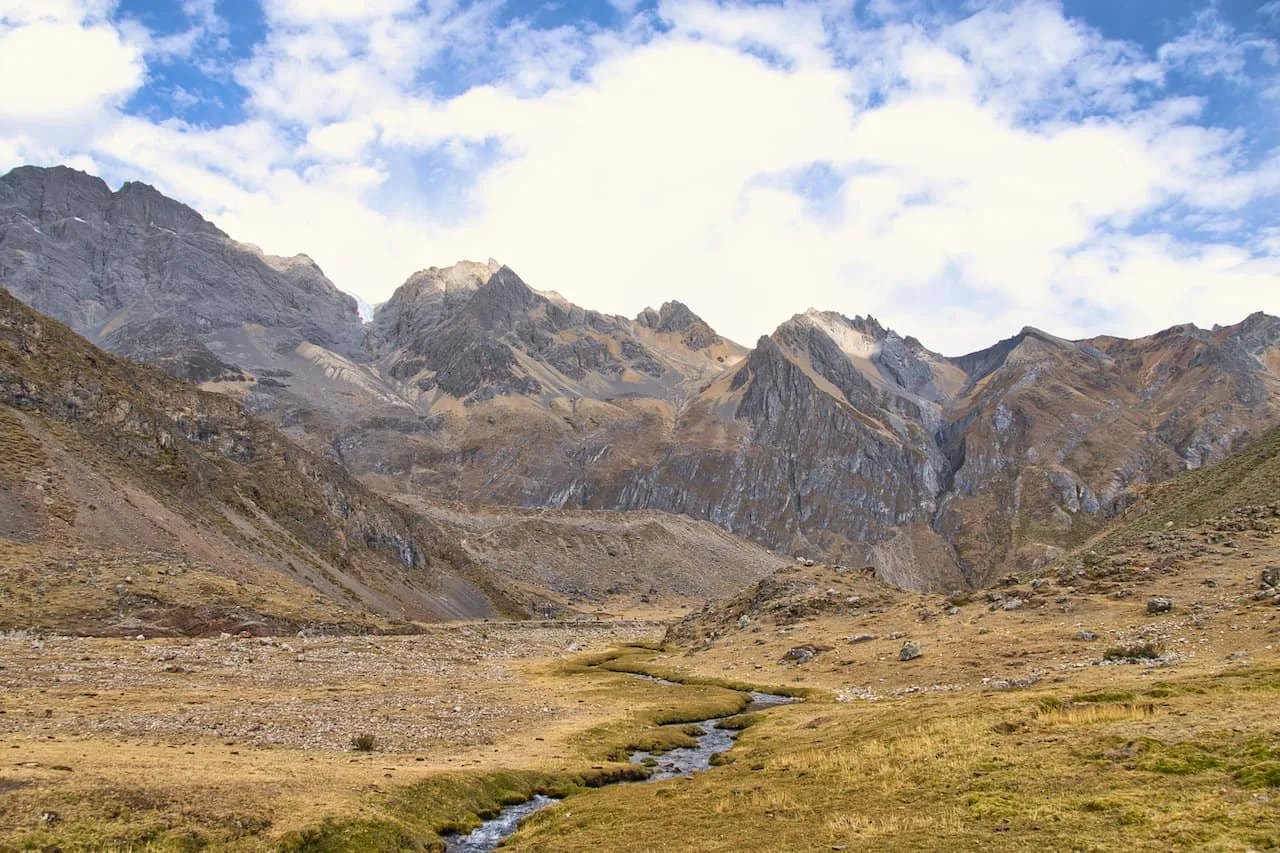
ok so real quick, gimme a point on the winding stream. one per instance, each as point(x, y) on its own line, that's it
point(681, 761)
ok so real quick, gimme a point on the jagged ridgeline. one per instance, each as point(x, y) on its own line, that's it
point(833, 437)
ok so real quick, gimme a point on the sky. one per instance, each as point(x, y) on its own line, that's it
point(958, 169)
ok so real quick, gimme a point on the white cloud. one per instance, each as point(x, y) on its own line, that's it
point(1212, 47)
point(1012, 167)
point(334, 11)
point(205, 26)
point(97, 68)
point(16, 12)
point(341, 140)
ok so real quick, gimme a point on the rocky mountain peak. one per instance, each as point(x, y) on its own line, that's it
point(677, 318)
point(462, 277)
point(42, 195)
point(1257, 332)
point(110, 264)
point(501, 300)
point(1028, 346)
point(142, 204)
point(294, 262)
point(424, 300)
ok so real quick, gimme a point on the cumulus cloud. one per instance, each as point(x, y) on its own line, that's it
point(960, 175)
point(101, 71)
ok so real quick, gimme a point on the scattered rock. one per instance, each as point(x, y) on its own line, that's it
point(1014, 604)
point(910, 650)
point(1012, 682)
point(799, 654)
point(897, 635)
point(1086, 636)
point(1159, 604)
point(862, 638)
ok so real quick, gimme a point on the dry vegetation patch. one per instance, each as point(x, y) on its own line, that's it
point(246, 744)
point(1010, 771)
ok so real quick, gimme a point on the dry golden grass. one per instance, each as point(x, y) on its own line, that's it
point(1086, 754)
point(956, 771)
point(1182, 752)
point(1075, 715)
point(172, 760)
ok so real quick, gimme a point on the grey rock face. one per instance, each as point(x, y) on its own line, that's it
point(478, 345)
point(910, 650)
point(676, 317)
point(424, 300)
point(112, 265)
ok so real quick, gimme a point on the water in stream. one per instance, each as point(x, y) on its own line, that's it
point(490, 833)
point(682, 761)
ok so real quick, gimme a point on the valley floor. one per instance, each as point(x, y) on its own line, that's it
point(1072, 720)
point(236, 743)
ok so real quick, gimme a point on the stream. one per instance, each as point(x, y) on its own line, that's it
point(682, 761)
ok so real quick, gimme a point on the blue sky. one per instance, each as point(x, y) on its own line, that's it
point(958, 169)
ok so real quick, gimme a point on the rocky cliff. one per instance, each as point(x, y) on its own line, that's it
point(112, 264)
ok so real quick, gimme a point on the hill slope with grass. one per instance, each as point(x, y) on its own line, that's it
point(1247, 478)
point(134, 502)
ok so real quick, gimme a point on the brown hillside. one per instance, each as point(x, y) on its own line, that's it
point(142, 503)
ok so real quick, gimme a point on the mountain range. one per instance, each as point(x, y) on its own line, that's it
point(833, 438)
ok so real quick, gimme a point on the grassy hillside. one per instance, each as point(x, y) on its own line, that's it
point(1249, 477)
point(105, 458)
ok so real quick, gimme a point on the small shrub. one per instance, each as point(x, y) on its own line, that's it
point(1146, 650)
point(364, 742)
